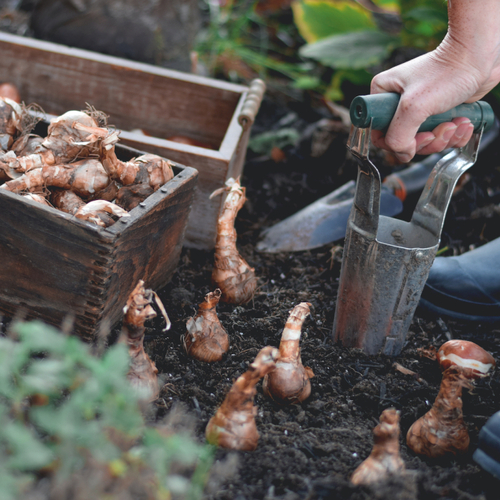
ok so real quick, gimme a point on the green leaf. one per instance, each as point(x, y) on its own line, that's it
point(428, 14)
point(409, 5)
point(263, 143)
point(353, 50)
point(46, 376)
point(40, 337)
point(13, 486)
point(116, 360)
point(317, 19)
point(12, 359)
point(25, 451)
point(389, 5)
point(94, 416)
point(427, 22)
point(355, 76)
point(307, 82)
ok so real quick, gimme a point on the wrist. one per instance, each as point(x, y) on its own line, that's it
point(478, 61)
point(473, 31)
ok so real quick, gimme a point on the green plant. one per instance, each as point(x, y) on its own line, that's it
point(73, 419)
point(353, 37)
point(241, 44)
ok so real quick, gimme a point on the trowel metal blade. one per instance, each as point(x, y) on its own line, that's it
point(325, 220)
point(320, 223)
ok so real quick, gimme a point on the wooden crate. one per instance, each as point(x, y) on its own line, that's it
point(53, 265)
point(161, 102)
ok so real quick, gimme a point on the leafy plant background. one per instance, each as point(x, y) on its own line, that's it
point(72, 426)
point(356, 38)
point(316, 45)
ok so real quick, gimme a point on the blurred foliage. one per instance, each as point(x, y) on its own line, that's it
point(264, 143)
point(246, 39)
point(353, 37)
point(350, 39)
point(320, 19)
point(317, 45)
point(72, 419)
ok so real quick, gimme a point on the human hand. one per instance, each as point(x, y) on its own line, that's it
point(429, 85)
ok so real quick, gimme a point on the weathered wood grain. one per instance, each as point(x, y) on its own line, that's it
point(159, 101)
point(52, 264)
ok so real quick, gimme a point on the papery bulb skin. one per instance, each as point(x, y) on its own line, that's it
point(101, 212)
point(67, 201)
point(467, 355)
point(442, 430)
point(384, 460)
point(74, 134)
point(233, 425)
point(37, 197)
point(10, 122)
point(205, 339)
point(148, 169)
point(27, 145)
point(289, 382)
point(10, 91)
point(142, 373)
point(71, 136)
point(231, 273)
point(83, 177)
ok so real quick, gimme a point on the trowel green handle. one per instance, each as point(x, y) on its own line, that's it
point(380, 109)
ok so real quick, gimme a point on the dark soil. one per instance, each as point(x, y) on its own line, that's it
point(309, 451)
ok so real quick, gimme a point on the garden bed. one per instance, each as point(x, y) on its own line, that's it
point(309, 451)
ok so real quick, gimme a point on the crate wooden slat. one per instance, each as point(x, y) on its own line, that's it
point(53, 264)
point(162, 102)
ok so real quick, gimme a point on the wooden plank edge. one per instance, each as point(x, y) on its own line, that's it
point(120, 63)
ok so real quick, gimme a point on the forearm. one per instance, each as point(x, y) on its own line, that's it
point(474, 23)
point(464, 68)
point(473, 37)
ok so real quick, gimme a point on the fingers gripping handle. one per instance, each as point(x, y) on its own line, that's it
point(380, 109)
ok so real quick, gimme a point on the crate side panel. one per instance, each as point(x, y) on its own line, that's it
point(133, 98)
point(149, 249)
point(49, 264)
point(212, 174)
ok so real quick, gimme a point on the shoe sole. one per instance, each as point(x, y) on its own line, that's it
point(446, 313)
point(487, 454)
point(487, 463)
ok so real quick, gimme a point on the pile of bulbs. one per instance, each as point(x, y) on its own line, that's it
point(74, 168)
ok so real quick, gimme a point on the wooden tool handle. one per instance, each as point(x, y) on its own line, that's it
point(252, 103)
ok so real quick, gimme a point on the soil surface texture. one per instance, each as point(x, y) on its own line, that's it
point(310, 450)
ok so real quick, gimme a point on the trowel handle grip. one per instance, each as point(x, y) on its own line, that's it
point(379, 109)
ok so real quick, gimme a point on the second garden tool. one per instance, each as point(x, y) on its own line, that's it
point(325, 220)
point(386, 261)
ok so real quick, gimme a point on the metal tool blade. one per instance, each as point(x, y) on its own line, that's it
point(321, 222)
point(325, 220)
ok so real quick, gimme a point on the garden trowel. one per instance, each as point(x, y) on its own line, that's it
point(325, 220)
point(386, 261)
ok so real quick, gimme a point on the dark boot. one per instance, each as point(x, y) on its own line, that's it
point(467, 287)
point(487, 454)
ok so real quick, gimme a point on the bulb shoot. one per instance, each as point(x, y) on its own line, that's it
point(290, 381)
point(384, 459)
point(205, 339)
point(142, 372)
point(233, 425)
point(231, 273)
